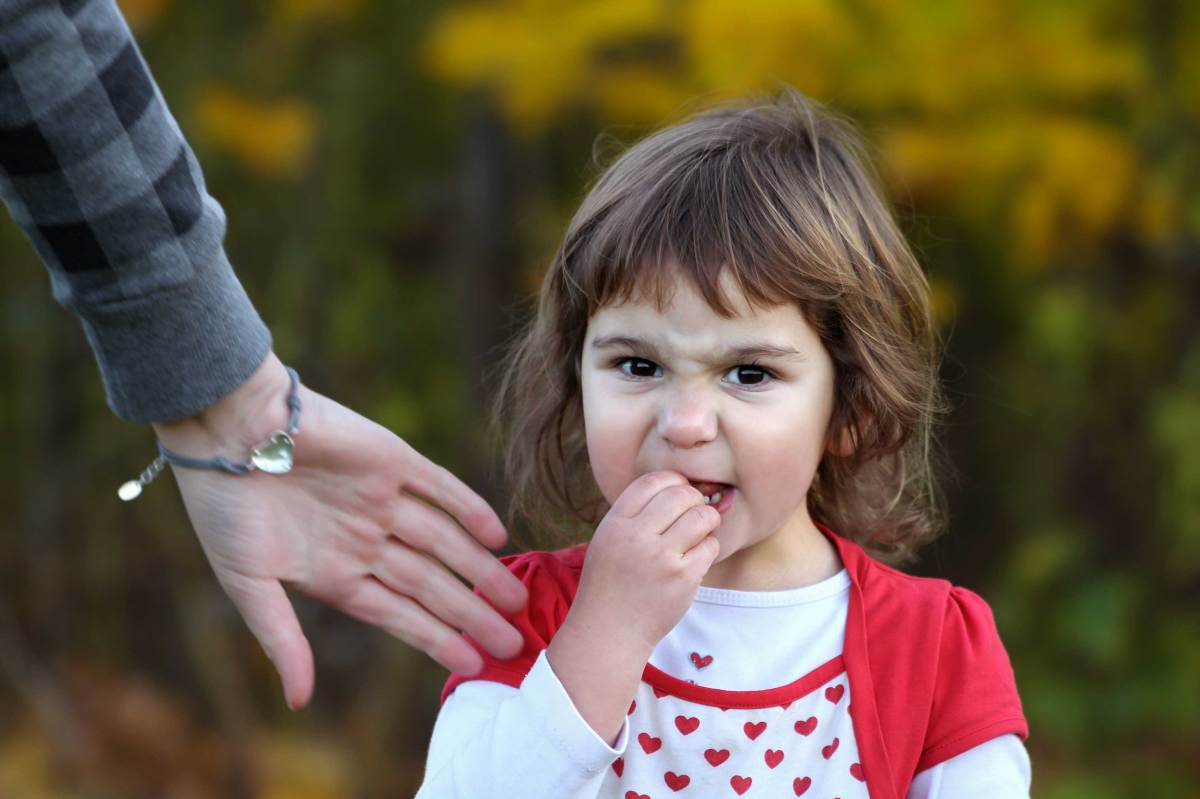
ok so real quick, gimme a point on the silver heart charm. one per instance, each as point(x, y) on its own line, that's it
point(275, 456)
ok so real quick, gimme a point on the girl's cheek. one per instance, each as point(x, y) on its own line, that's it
point(612, 455)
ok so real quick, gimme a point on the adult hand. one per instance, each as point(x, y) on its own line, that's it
point(347, 525)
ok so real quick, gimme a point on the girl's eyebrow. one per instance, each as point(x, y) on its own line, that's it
point(740, 351)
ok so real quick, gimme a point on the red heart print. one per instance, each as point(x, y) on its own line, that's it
point(700, 662)
point(676, 782)
point(649, 745)
point(754, 730)
point(686, 725)
point(786, 705)
point(834, 693)
point(716, 757)
point(773, 757)
point(619, 766)
point(799, 785)
point(632, 707)
point(740, 784)
point(806, 727)
point(827, 751)
point(856, 771)
point(659, 693)
point(635, 795)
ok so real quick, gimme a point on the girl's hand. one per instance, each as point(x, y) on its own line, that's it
point(647, 558)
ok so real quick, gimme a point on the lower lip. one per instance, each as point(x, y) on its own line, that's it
point(726, 501)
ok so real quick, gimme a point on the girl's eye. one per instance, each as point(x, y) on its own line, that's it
point(638, 367)
point(750, 375)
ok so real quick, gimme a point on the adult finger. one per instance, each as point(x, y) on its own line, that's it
point(373, 602)
point(638, 494)
point(264, 605)
point(431, 531)
point(419, 576)
point(428, 479)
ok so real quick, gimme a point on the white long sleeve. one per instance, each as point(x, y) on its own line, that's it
point(560, 755)
point(494, 740)
point(505, 743)
point(995, 769)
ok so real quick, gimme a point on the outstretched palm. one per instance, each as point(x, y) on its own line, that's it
point(348, 526)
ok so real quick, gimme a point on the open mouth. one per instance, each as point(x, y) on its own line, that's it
point(719, 495)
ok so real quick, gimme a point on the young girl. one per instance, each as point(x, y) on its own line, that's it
point(736, 339)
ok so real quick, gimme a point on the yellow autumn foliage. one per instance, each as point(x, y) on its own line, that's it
point(535, 53)
point(302, 767)
point(982, 107)
point(637, 95)
point(271, 139)
point(944, 300)
point(26, 767)
point(1079, 184)
point(743, 46)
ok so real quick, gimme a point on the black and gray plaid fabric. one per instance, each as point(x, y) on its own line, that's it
point(95, 170)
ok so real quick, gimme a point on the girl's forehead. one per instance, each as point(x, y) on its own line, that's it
point(688, 318)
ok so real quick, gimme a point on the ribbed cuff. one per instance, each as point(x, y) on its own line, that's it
point(569, 730)
point(171, 353)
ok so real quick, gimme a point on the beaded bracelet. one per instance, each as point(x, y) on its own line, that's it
point(273, 456)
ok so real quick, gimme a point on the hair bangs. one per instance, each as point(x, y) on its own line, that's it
point(720, 211)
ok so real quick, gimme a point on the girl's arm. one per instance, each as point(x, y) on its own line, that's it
point(995, 769)
point(505, 743)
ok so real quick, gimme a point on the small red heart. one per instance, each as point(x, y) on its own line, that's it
point(773, 757)
point(700, 662)
point(686, 725)
point(676, 782)
point(786, 705)
point(649, 745)
point(659, 693)
point(856, 771)
point(806, 727)
point(834, 693)
point(799, 786)
point(754, 730)
point(827, 751)
point(632, 707)
point(740, 784)
point(716, 757)
point(619, 766)
point(635, 795)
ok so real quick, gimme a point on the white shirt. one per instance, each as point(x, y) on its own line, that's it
point(497, 741)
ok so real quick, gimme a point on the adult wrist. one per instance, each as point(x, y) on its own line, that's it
point(238, 421)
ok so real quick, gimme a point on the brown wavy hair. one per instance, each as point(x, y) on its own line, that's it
point(777, 190)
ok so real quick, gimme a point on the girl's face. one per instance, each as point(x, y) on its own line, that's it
point(744, 401)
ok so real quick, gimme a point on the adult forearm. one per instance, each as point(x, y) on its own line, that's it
point(101, 180)
point(600, 666)
point(240, 420)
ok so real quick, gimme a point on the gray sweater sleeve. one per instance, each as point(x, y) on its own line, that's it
point(95, 170)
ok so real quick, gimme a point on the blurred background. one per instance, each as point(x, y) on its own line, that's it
point(397, 176)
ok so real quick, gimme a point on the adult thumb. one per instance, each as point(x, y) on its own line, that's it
point(267, 611)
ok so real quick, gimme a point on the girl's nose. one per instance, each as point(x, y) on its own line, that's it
point(687, 419)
